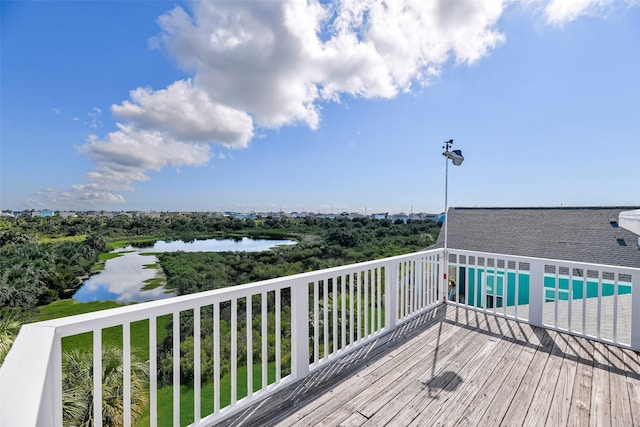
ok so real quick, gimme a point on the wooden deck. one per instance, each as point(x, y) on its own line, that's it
point(454, 367)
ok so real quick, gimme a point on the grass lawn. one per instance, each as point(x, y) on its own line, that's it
point(123, 243)
point(70, 307)
point(111, 337)
point(165, 397)
point(139, 345)
point(104, 256)
point(154, 282)
point(58, 239)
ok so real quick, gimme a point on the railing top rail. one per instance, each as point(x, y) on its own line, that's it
point(577, 264)
point(72, 325)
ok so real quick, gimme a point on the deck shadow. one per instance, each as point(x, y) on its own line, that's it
point(446, 381)
point(281, 404)
point(548, 343)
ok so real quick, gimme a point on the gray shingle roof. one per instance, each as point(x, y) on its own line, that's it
point(583, 234)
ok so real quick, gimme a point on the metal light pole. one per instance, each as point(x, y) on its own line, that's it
point(457, 158)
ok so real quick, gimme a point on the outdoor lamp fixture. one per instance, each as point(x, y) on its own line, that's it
point(457, 158)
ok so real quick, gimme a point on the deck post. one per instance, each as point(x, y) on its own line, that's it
point(391, 294)
point(32, 396)
point(300, 330)
point(536, 292)
point(444, 279)
point(635, 311)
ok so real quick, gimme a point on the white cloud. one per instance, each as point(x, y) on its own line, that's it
point(561, 12)
point(124, 157)
point(94, 117)
point(381, 48)
point(278, 61)
point(244, 56)
point(187, 113)
point(52, 198)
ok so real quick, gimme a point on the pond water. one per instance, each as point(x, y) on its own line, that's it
point(123, 278)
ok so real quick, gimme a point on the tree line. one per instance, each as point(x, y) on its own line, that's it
point(43, 259)
point(34, 273)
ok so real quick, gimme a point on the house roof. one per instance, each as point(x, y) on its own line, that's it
point(583, 234)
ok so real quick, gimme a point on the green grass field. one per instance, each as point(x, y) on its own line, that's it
point(165, 397)
point(111, 337)
point(123, 243)
point(70, 307)
point(59, 239)
point(139, 344)
point(104, 256)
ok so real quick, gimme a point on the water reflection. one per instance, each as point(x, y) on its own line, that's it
point(123, 277)
point(213, 245)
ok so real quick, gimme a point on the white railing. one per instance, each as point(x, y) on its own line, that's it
point(240, 344)
point(252, 338)
point(599, 302)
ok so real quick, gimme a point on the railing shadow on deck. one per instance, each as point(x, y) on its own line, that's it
point(322, 380)
point(547, 342)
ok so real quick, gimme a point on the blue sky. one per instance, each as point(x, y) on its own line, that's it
point(331, 106)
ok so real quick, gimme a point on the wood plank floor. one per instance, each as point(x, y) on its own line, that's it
point(455, 367)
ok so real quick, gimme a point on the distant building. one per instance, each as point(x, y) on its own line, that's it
point(422, 216)
point(401, 216)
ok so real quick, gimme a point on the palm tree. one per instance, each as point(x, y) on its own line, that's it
point(77, 380)
point(15, 237)
point(9, 328)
